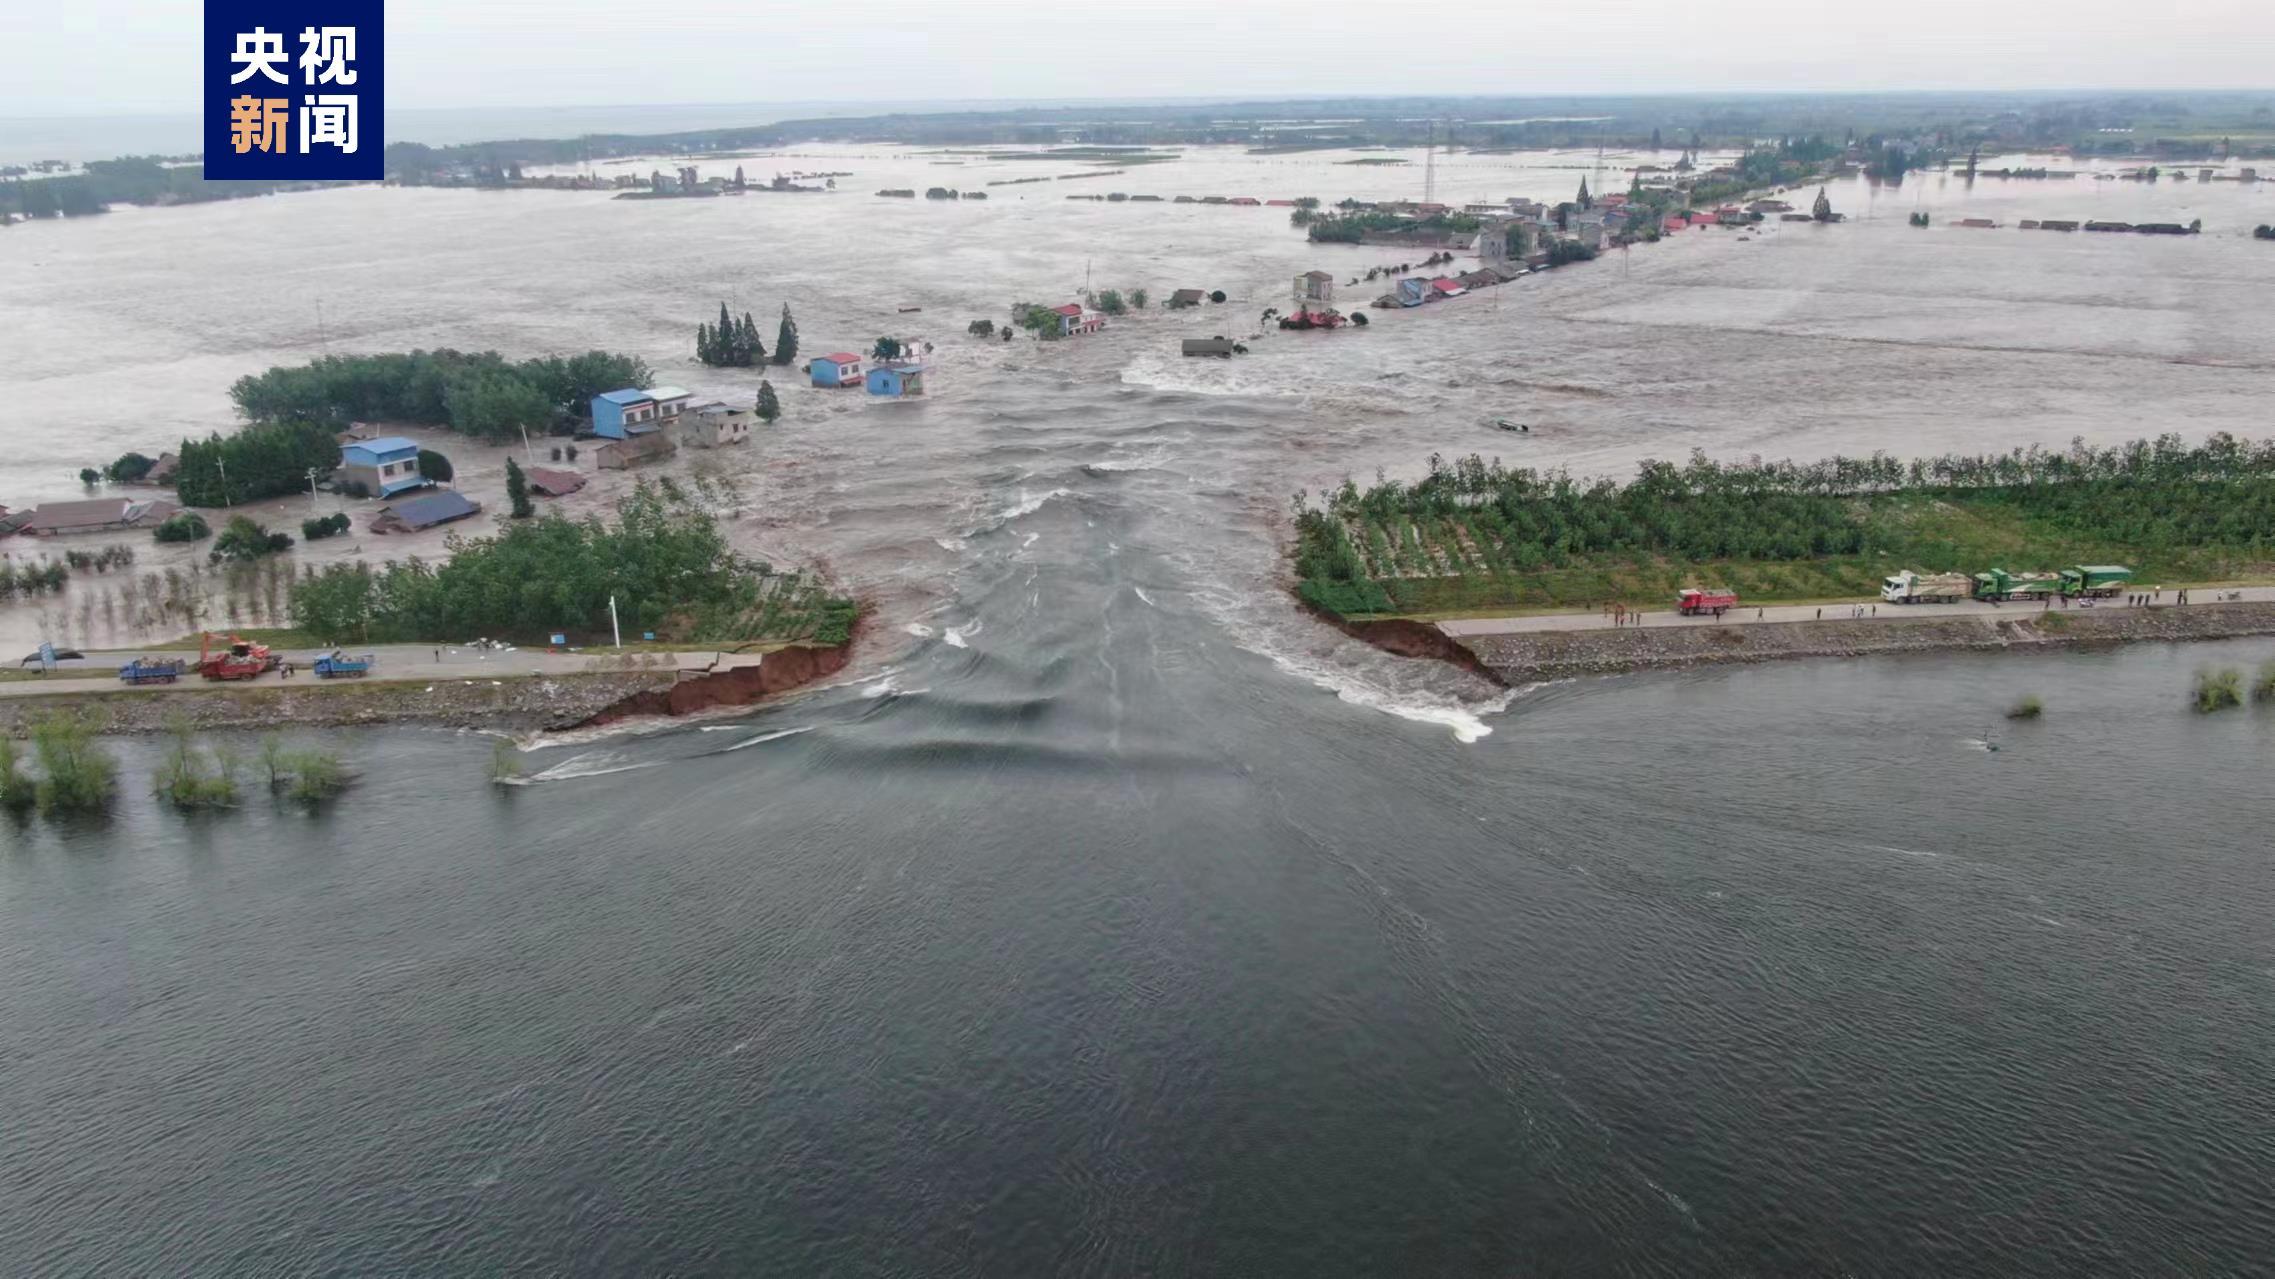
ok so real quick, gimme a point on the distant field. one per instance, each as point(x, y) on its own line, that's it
point(1473, 539)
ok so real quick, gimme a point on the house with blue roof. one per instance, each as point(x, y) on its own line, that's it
point(383, 467)
point(624, 414)
point(899, 378)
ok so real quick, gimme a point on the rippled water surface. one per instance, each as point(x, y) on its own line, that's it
point(1112, 917)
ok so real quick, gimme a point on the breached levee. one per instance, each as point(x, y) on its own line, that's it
point(777, 672)
point(1533, 656)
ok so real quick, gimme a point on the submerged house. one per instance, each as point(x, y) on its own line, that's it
point(382, 467)
point(94, 515)
point(1414, 292)
point(840, 369)
point(546, 481)
point(715, 425)
point(1073, 319)
point(413, 514)
point(1183, 298)
point(902, 378)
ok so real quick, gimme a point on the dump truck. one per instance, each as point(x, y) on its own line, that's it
point(2095, 581)
point(1998, 584)
point(1691, 601)
point(242, 659)
point(1909, 587)
point(151, 670)
point(338, 665)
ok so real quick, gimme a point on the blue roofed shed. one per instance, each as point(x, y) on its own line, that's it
point(896, 379)
point(384, 467)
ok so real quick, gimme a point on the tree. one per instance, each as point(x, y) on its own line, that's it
point(129, 467)
point(887, 349)
point(436, 467)
point(769, 408)
point(1654, 139)
point(981, 328)
point(89, 476)
point(77, 774)
point(786, 338)
point(739, 177)
point(1586, 201)
point(1822, 210)
point(242, 541)
point(495, 406)
point(186, 526)
point(1111, 302)
point(517, 491)
point(1138, 299)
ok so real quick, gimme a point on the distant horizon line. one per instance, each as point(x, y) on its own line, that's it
point(1231, 100)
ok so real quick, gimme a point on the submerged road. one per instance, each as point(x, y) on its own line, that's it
point(403, 663)
point(1748, 615)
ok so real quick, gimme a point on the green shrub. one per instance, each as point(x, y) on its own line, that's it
point(505, 761)
point(242, 540)
point(316, 775)
point(17, 790)
point(2027, 708)
point(188, 526)
point(77, 774)
point(319, 527)
point(189, 777)
point(2217, 690)
point(2263, 684)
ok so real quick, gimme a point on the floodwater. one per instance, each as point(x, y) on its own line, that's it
point(1113, 917)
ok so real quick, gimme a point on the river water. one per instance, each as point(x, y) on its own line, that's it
point(1111, 917)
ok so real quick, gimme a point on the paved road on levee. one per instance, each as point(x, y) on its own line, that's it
point(1753, 615)
point(399, 662)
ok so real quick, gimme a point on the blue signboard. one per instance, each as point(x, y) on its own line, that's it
point(294, 91)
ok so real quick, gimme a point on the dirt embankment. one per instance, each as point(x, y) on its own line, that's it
point(778, 672)
point(1546, 655)
point(1409, 639)
point(518, 705)
point(521, 704)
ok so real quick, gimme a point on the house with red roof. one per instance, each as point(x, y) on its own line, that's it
point(1446, 287)
point(1074, 319)
point(1674, 222)
point(840, 368)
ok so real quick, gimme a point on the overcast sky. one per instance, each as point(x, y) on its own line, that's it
point(91, 57)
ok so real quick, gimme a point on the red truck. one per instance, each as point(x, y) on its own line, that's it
point(1693, 602)
point(243, 659)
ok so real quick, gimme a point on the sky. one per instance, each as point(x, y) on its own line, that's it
point(106, 57)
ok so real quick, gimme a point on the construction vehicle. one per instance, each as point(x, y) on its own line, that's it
point(1693, 602)
point(2095, 581)
point(1998, 584)
point(1909, 587)
point(338, 665)
point(151, 670)
point(243, 659)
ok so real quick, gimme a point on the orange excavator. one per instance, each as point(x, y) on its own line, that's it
point(243, 659)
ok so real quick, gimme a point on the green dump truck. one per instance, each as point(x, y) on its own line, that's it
point(1998, 584)
point(2095, 581)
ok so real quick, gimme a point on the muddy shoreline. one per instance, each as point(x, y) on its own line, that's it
point(518, 705)
point(1534, 657)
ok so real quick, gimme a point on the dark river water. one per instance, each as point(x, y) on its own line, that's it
point(1112, 917)
point(1100, 946)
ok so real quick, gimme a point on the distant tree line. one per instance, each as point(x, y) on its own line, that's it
point(481, 394)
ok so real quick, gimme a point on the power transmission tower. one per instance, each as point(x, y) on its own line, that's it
point(1430, 167)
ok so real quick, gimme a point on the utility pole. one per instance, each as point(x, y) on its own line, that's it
point(312, 473)
point(526, 450)
point(613, 628)
point(223, 468)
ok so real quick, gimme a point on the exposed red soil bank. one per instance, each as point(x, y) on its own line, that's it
point(778, 672)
